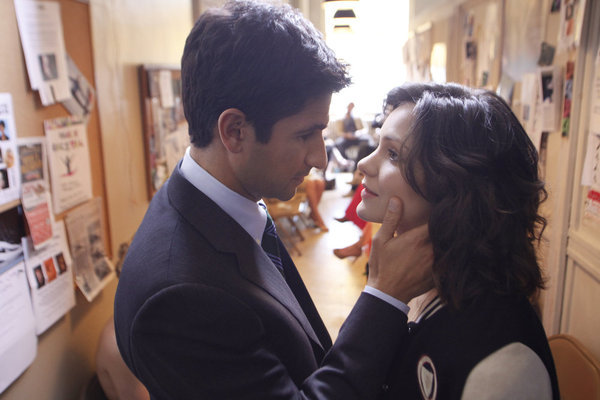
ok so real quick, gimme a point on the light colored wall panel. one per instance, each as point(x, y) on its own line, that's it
point(127, 33)
point(66, 351)
point(580, 314)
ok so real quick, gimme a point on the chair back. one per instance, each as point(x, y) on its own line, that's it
point(577, 370)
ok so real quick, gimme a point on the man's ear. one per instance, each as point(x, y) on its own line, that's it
point(233, 129)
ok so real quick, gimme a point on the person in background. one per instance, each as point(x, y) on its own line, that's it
point(116, 380)
point(355, 249)
point(209, 303)
point(349, 127)
point(314, 186)
point(460, 161)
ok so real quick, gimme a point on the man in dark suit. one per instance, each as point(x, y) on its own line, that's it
point(205, 307)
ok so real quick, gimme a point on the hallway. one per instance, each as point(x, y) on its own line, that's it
point(334, 284)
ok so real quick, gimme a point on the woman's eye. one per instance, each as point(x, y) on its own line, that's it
point(393, 155)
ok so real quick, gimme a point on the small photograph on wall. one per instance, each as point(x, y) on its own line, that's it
point(471, 50)
point(550, 93)
point(568, 98)
point(48, 66)
point(4, 184)
point(10, 183)
point(12, 229)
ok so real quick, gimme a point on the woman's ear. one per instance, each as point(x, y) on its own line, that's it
point(233, 129)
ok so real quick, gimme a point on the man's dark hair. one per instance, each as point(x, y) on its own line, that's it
point(265, 60)
point(468, 155)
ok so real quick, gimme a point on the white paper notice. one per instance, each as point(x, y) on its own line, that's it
point(50, 278)
point(18, 346)
point(69, 160)
point(591, 166)
point(165, 84)
point(41, 32)
point(9, 161)
point(93, 270)
point(529, 104)
point(175, 145)
point(571, 20)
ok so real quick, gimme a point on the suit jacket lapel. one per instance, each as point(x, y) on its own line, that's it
point(228, 236)
point(297, 286)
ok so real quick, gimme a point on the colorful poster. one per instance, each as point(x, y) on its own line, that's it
point(9, 162)
point(568, 97)
point(591, 212)
point(50, 279)
point(69, 160)
point(35, 197)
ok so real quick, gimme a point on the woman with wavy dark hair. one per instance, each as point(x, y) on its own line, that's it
point(459, 160)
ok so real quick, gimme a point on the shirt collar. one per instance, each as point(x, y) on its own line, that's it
point(249, 214)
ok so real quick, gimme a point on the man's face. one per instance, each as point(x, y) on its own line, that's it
point(276, 168)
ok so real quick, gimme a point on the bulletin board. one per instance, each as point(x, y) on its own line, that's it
point(29, 113)
point(165, 128)
point(75, 332)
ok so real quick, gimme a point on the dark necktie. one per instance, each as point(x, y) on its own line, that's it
point(270, 244)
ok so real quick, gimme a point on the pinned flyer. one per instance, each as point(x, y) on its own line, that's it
point(35, 196)
point(69, 160)
point(50, 279)
point(93, 269)
point(41, 32)
point(18, 346)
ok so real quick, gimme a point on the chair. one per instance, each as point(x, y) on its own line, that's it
point(577, 370)
point(92, 390)
point(288, 211)
point(114, 378)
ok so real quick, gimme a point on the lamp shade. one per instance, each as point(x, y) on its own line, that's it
point(344, 13)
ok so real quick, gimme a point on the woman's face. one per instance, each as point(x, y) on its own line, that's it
point(383, 175)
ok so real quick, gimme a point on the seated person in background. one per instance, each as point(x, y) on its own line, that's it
point(117, 381)
point(314, 186)
point(348, 138)
point(367, 147)
point(356, 248)
point(460, 161)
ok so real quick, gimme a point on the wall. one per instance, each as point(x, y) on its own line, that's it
point(124, 33)
point(570, 253)
point(65, 352)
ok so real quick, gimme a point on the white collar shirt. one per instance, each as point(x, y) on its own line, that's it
point(249, 214)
